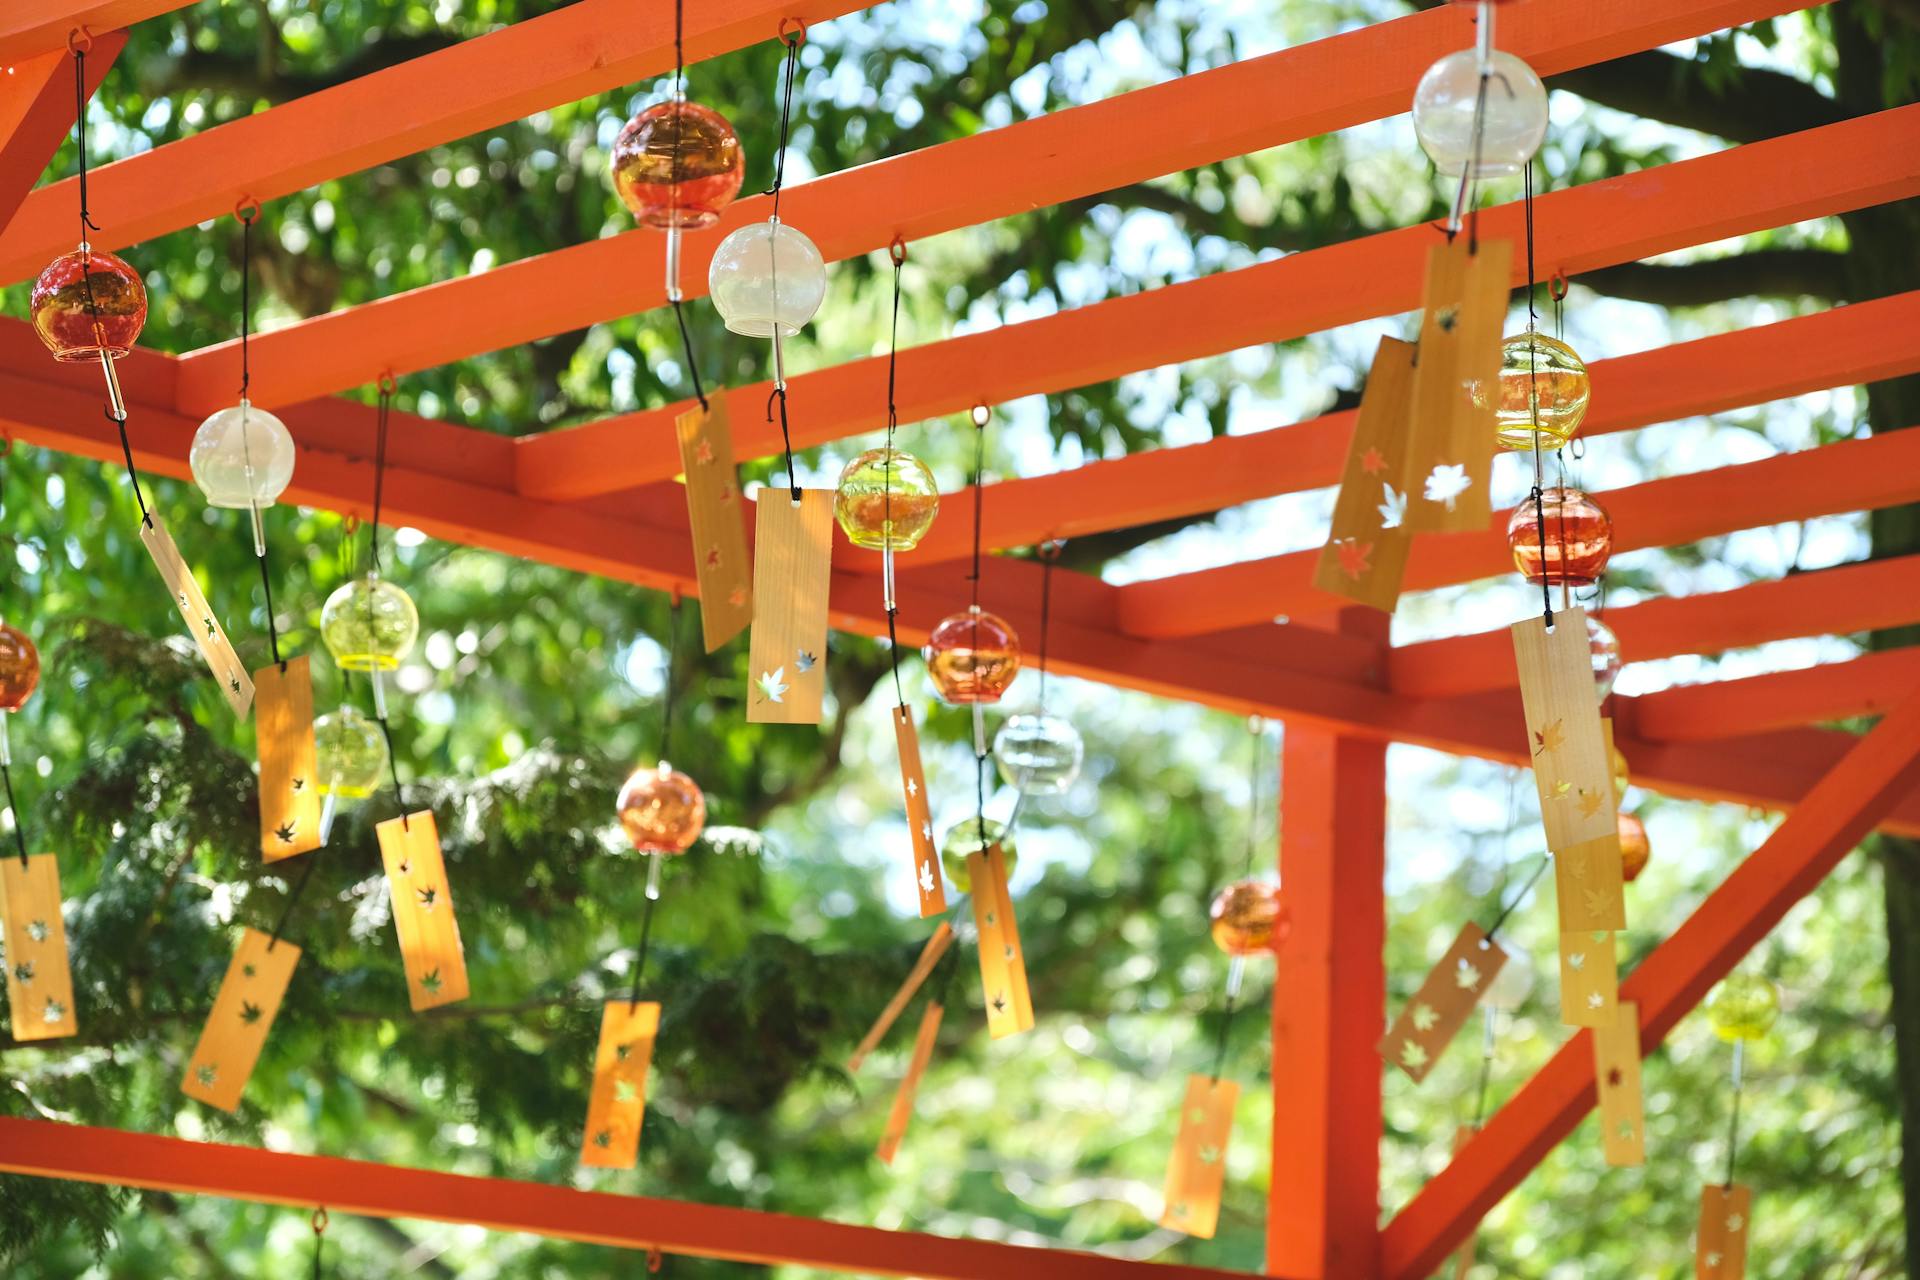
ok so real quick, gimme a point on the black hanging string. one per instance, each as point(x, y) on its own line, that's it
point(380, 423)
point(1049, 553)
point(686, 335)
point(1256, 740)
point(793, 43)
point(646, 936)
point(319, 1238)
point(679, 101)
point(80, 120)
point(293, 899)
point(897, 252)
point(247, 213)
point(1493, 929)
point(19, 833)
point(981, 416)
point(1533, 410)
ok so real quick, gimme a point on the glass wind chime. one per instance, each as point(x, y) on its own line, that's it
point(1742, 1009)
point(1039, 753)
point(39, 979)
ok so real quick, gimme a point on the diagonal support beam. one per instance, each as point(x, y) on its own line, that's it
point(1869, 685)
point(36, 111)
point(1837, 814)
point(44, 1148)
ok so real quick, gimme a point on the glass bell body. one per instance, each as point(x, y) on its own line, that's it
point(19, 668)
point(1604, 648)
point(1541, 382)
point(1512, 985)
point(1038, 754)
point(767, 277)
point(1578, 538)
point(1248, 917)
point(242, 457)
point(1446, 103)
point(88, 302)
point(886, 500)
point(677, 164)
point(352, 754)
point(369, 624)
point(661, 809)
point(972, 657)
point(963, 838)
point(1634, 848)
point(1743, 1007)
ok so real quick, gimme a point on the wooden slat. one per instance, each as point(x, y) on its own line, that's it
point(422, 905)
point(1616, 1078)
point(1444, 1002)
point(1365, 556)
point(936, 946)
point(1003, 967)
point(1449, 458)
point(201, 623)
point(36, 112)
point(1720, 1244)
point(242, 1016)
point(1570, 767)
point(1197, 1172)
point(617, 1101)
point(1870, 685)
point(902, 1109)
point(289, 759)
point(717, 516)
point(792, 567)
point(39, 979)
point(928, 884)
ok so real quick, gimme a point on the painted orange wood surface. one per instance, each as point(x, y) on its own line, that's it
point(617, 1100)
point(423, 917)
point(39, 979)
point(936, 946)
point(289, 760)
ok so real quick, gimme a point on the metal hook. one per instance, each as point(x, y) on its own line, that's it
point(897, 250)
point(1557, 286)
point(246, 209)
point(80, 40)
point(982, 415)
point(387, 383)
point(799, 37)
point(654, 1258)
point(320, 1221)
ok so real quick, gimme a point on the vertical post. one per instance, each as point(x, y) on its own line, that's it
point(1329, 1001)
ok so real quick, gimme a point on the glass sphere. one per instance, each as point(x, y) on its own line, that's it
point(972, 657)
point(963, 838)
point(1514, 124)
point(1540, 378)
point(1578, 542)
point(1634, 849)
point(369, 624)
point(1743, 1007)
point(1512, 985)
point(74, 289)
point(1604, 647)
point(1038, 754)
point(352, 754)
point(19, 668)
point(767, 276)
point(242, 457)
point(661, 810)
point(886, 497)
point(677, 164)
point(1248, 917)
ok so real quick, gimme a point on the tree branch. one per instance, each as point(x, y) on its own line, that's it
point(1753, 103)
point(1772, 273)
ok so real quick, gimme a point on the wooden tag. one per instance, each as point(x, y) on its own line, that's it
point(1589, 980)
point(39, 981)
point(927, 880)
point(1616, 1078)
point(1366, 552)
point(929, 956)
point(1725, 1214)
point(1198, 1169)
point(618, 1102)
point(792, 561)
point(243, 1013)
point(207, 633)
point(1003, 969)
point(289, 763)
point(909, 1085)
point(1591, 887)
point(1442, 1004)
point(719, 523)
point(1450, 457)
point(1463, 1256)
point(423, 911)
point(1570, 767)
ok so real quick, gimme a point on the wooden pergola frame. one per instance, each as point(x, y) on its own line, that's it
point(1249, 637)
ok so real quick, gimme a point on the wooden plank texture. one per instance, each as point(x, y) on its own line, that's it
point(1443, 1003)
point(1720, 1244)
point(902, 1110)
point(1616, 1075)
point(1570, 766)
point(242, 1016)
point(423, 916)
point(717, 517)
point(792, 569)
point(289, 760)
point(928, 884)
point(236, 686)
point(1197, 1173)
point(39, 979)
point(1589, 979)
point(1366, 551)
point(1449, 458)
point(618, 1101)
point(936, 946)
point(1003, 968)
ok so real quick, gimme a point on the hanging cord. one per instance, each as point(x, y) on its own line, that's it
point(793, 42)
point(686, 344)
point(982, 415)
point(1486, 1069)
point(673, 228)
point(1256, 741)
point(387, 388)
point(1049, 553)
point(1493, 930)
point(668, 688)
point(293, 899)
point(1533, 409)
point(319, 1239)
point(646, 937)
point(19, 831)
point(78, 42)
point(248, 212)
point(897, 253)
point(1733, 1122)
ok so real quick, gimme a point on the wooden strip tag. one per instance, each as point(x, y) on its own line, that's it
point(1366, 552)
point(792, 563)
point(1450, 459)
point(1198, 1170)
point(289, 763)
point(618, 1102)
point(207, 633)
point(1570, 767)
point(423, 911)
point(1589, 878)
point(1003, 969)
point(910, 1085)
point(1442, 1004)
point(1589, 980)
point(1463, 1257)
point(243, 1012)
point(39, 981)
point(929, 956)
point(1725, 1216)
point(718, 521)
point(927, 880)
point(1616, 1075)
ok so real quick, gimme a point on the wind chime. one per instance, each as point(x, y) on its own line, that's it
point(1039, 753)
point(662, 812)
point(1246, 918)
point(767, 280)
point(886, 501)
point(88, 306)
point(39, 978)
point(1742, 1009)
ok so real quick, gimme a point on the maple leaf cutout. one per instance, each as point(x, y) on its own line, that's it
point(1466, 977)
point(1447, 482)
point(1354, 556)
point(1735, 1223)
point(1393, 508)
point(1412, 1056)
point(1373, 462)
point(1551, 738)
point(1423, 1017)
point(1596, 901)
point(1588, 803)
point(773, 684)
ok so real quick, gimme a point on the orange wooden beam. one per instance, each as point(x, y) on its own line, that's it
point(1823, 171)
point(1849, 801)
point(45, 1148)
point(1199, 119)
point(1855, 597)
point(36, 110)
point(29, 28)
point(1865, 686)
point(479, 84)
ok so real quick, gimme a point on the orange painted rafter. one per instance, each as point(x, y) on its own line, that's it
point(45, 1148)
point(1200, 119)
point(1865, 686)
point(29, 28)
point(1869, 596)
point(1853, 164)
point(36, 111)
point(1849, 801)
point(478, 84)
